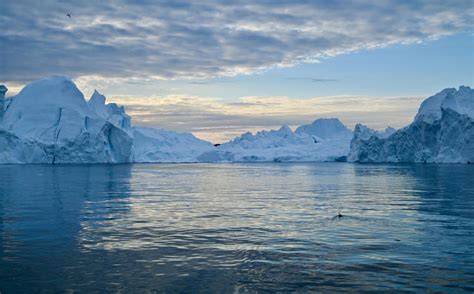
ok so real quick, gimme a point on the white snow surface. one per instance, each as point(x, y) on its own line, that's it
point(111, 112)
point(325, 128)
point(442, 132)
point(281, 145)
point(460, 101)
point(160, 145)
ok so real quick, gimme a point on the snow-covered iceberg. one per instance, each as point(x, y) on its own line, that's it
point(323, 140)
point(326, 129)
point(160, 145)
point(49, 121)
point(442, 132)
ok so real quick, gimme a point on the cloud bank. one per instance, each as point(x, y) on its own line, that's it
point(202, 39)
point(218, 121)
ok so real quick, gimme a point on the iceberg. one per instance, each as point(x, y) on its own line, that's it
point(442, 132)
point(111, 112)
point(49, 121)
point(160, 145)
point(284, 145)
point(3, 91)
point(326, 128)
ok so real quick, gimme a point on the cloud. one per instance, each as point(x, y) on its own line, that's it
point(218, 120)
point(316, 80)
point(203, 39)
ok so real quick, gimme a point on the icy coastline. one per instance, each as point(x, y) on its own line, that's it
point(51, 122)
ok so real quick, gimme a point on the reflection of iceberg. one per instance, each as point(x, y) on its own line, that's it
point(206, 206)
point(50, 203)
point(149, 224)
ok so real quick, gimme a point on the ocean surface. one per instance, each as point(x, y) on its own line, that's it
point(236, 228)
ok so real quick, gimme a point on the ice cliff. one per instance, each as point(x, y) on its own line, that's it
point(442, 132)
point(49, 121)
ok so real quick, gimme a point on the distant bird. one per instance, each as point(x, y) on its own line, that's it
point(69, 15)
point(339, 215)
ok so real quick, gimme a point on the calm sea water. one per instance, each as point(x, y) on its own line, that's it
point(237, 228)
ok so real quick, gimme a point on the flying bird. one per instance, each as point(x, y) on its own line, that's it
point(69, 15)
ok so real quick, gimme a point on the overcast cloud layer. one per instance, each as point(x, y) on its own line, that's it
point(202, 39)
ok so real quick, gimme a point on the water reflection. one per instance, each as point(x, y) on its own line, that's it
point(237, 227)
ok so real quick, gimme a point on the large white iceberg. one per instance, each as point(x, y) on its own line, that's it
point(442, 132)
point(284, 145)
point(49, 121)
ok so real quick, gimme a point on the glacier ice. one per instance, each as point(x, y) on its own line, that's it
point(325, 128)
point(111, 112)
point(460, 101)
point(160, 145)
point(3, 90)
point(52, 118)
point(65, 128)
point(284, 145)
point(49, 121)
point(442, 132)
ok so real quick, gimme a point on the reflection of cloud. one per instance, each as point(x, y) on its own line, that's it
point(219, 120)
point(202, 39)
point(210, 207)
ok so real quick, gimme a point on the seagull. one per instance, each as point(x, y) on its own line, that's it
point(69, 15)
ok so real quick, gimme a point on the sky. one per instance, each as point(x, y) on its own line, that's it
point(220, 68)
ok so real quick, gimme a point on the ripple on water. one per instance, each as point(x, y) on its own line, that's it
point(237, 227)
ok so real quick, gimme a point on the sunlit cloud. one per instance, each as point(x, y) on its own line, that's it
point(219, 120)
